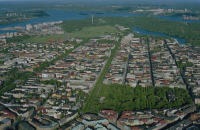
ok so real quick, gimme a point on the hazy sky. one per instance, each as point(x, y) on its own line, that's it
point(114, 1)
point(105, 0)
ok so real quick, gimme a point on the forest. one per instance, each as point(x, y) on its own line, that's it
point(123, 97)
point(189, 31)
point(17, 38)
point(37, 13)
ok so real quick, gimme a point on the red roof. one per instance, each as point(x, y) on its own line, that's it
point(8, 114)
point(26, 103)
point(143, 120)
point(156, 119)
point(134, 128)
point(162, 122)
point(166, 81)
point(44, 110)
point(126, 114)
point(38, 74)
point(108, 112)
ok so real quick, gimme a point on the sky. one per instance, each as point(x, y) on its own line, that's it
point(104, 0)
point(96, 1)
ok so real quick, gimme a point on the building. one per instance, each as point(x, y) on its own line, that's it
point(110, 115)
point(5, 123)
point(170, 96)
point(25, 126)
point(28, 27)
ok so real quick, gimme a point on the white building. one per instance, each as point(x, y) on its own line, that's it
point(28, 27)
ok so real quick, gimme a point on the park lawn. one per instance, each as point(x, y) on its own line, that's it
point(43, 39)
point(87, 32)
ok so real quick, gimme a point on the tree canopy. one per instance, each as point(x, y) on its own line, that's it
point(124, 97)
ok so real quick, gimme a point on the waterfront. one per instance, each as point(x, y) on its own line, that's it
point(73, 15)
point(145, 32)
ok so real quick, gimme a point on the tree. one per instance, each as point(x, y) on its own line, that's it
point(40, 112)
point(111, 96)
point(49, 94)
point(92, 79)
point(137, 104)
point(104, 57)
point(54, 103)
point(9, 99)
point(176, 89)
point(189, 100)
point(42, 101)
point(77, 98)
point(126, 58)
point(59, 49)
point(58, 84)
point(18, 99)
point(74, 42)
point(62, 116)
point(18, 118)
point(74, 91)
point(81, 71)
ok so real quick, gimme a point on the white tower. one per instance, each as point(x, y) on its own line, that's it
point(185, 10)
point(92, 19)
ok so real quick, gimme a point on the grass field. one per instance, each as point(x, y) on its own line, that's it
point(87, 32)
point(43, 39)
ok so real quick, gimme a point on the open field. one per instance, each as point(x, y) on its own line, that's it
point(93, 31)
point(86, 32)
point(43, 39)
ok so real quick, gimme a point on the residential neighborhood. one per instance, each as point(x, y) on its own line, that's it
point(48, 85)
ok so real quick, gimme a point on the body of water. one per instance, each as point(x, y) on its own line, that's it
point(57, 15)
point(145, 32)
point(5, 9)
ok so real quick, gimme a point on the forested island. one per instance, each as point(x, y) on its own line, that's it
point(12, 16)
